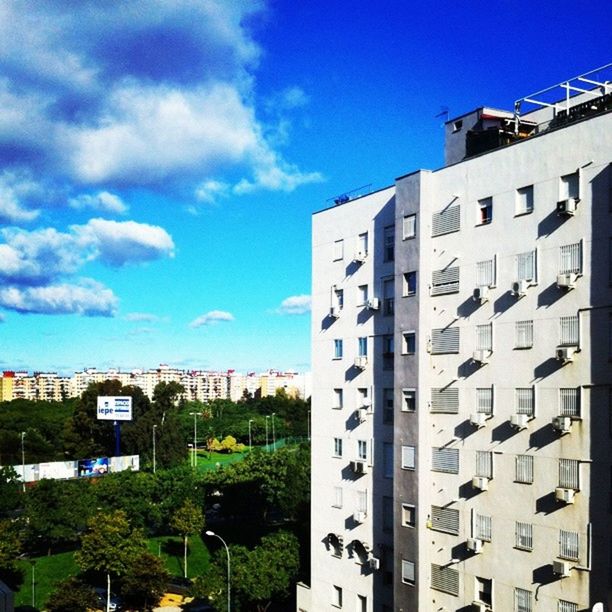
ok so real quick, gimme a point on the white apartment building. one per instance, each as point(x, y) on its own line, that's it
point(488, 329)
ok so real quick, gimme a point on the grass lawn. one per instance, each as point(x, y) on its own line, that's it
point(208, 461)
point(170, 548)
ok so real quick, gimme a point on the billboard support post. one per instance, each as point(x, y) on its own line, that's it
point(117, 439)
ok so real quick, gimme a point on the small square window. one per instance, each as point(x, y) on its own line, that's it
point(337, 349)
point(362, 450)
point(408, 515)
point(363, 243)
point(524, 200)
point(338, 250)
point(485, 211)
point(409, 284)
point(339, 298)
point(457, 125)
point(389, 243)
point(409, 397)
point(363, 347)
point(407, 572)
point(408, 343)
point(362, 295)
point(336, 596)
point(408, 457)
point(337, 503)
point(409, 227)
point(338, 399)
point(337, 447)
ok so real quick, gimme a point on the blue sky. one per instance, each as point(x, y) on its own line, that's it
point(160, 161)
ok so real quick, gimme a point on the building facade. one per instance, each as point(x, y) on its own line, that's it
point(489, 357)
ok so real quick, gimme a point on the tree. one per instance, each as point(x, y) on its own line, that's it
point(74, 595)
point(10, 491)
point(144, 583)
point(10, 548)
point(187, 520)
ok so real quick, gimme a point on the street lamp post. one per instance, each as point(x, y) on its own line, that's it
point(195, 437)
point(267, 438)
point(308, 424)
point(250, 436)
point(213, 534)
point(154, 458)
point(23, 433)
point(273, 433)
point(33, 562)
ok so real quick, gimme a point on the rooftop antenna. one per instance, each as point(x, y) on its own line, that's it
point(343, 198)
point(444, 112)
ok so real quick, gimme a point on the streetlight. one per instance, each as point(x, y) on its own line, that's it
point(273, 433)
point(250, 436)
point(33, 562)
point(154, 462)
point(308, 424)
point(195, 437)
point(23, 433)
point(213, 534)
point(267, 438)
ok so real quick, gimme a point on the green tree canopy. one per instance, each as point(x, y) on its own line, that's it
point(187, 520)
point(72, 594)
point(144, 582)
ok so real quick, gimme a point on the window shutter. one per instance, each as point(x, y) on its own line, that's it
point(445, 400)
point(445, 340)
point(446, 221)
point(445, 460)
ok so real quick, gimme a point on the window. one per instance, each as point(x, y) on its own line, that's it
point(569, 402)
point(483, 527)
point(362, 348)
point(338, 250)
point(569, 474)
point(362, 243)
point(523, 334)
point(569, 333)
point(389, 243)
point(338, 399)
point(524, 469)
point(408, 343)
point(485, 273)
point(388, 459)
point(336, 596)
point(445, 281)
point(444, 340)
point(409, 227)
point(408, 457)
point(408, 515)
point(387, 513)
point(337, 503)
point(484, 590)
point(445, 579)
point(446, 221)
point(484, 337)
point(484, 400)
point(337, 447)
point(567, 606)
point(485, 211)
point(362, 397)
point(568, 545)
point(524, 200)
point(570, 258)
point(388, 291)
point(409, 400)
point(522, 600)
point(362, 603)
point(362, 450)
point(445, 400)
point(523, 536)
point(445, 460)
point(445, 520)
point(407, 572)
point(526, 266)
point(388, 351)
point(410, 282)
point(362, 501)
point(339, 298)
point(457, 125)
point(362, 295)
point(484, 464)
point(337, 349)
point(388, 406)
point(569, 186)
point(524, 401)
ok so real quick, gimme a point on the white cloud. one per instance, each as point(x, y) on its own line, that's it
point(103, 201)
point(13, 189)
point(211, 318)
point(141, 316)
point(211, 190)
point(295, 305)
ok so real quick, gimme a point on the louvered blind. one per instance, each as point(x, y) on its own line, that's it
point(445, 400)
point(484, 527)
point(568, 331)
point(484, 464)
point(524, 401)
point(524, 469)
point(445, 460)
point(569, 402)
point(569, 476)
point(570, 258)
point(446, 221)
point(526, 266)
point(445, 340)
point(445, 281)
point(445, 579)
point(445, 519)
point(485, 273)
point(569, 545)
point(484, 400)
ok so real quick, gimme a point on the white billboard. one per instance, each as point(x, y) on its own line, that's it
point(114, 408)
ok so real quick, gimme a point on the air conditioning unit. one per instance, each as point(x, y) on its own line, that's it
point(565, 353)
point(562, 424)
point(360, 414)
point(567, 208)
point(374, 563)
point(562, 568)
point(480, 294)
point(475, 545)
point(519, 288)
point(361, 362)
point(360, 256)
point(567, 281)
point(334, 312)
point(565, 495)
point(519, 421)
point(480, 482)
point(359, 467)
point(480, 356)
point(373, 304)
point(480, 606)
point(359, 517)
point(478, 419)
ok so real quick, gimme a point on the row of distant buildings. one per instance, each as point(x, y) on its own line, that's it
point(199, 384)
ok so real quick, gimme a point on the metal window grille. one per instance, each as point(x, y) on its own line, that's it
point(483, 526)
point(568, 331)
point(337, 497)
point(526, 266)
point(525, 401)
point(485, 273)
point(445, 400)
point(484, 337)
point(522, 600)
point(569, 402)
point(524, 468)
point(407, 571)
point(362, 501)
point(446, 221)
point(445, 520)
point(570, 258)
point(567, 606)
point(569, 474)
point(523, 332)
point(445, 281)
point(445, 460)
point(569, 545)
point(445, 340)
point(484, 400)
point(523, 533)
point(408, 457)
point(484, 464)
point(445, 579)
